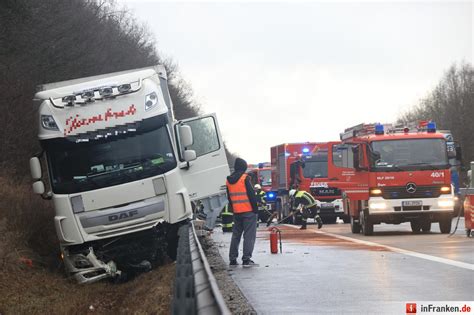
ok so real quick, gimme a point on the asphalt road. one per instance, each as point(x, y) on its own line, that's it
point(332, 271)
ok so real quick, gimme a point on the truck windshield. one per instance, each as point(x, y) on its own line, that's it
point(139, 153)
point(265, 177)
point(316, 166)
point(408, 154)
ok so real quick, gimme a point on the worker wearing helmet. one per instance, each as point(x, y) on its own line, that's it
point(305, 203)
point(261, 203)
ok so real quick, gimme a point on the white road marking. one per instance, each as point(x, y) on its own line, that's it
point(398, 250)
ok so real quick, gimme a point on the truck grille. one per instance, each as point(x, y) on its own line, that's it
point(325, 191)
point(401, 192)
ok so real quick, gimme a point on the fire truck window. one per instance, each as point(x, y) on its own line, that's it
point(316, 166)
point(342, 156)
point(205, 139)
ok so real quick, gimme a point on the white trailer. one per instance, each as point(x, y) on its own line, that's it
point(123, 172)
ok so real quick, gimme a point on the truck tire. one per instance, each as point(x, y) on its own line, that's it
point(445, 225)
point(346, 218)
point(367, 227)
point(426, 226)
point(297, 220)
point(415, 226)
point(329, 220)
point(355, 226)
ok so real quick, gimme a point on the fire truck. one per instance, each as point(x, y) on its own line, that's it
point(123, 172)
point(308, 165)
point(395, 175)
point(261, 174)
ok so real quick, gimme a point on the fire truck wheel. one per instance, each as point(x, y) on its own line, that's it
point(468, 232)
point(329, 220)
point(355, 226)
point(445, 225)
point(366, 225)
point(415, 226)
point(346, 218)
point(426, 226)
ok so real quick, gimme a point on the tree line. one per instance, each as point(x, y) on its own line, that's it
point(55, 40)
point(451, 105)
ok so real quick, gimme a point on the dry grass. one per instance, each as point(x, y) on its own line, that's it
point(32, 280)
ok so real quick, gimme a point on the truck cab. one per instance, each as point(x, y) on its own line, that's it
point(122, 171)
point(396, 175)
point(308, 165)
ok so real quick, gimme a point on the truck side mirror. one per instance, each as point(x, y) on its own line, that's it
point(189, 155)
point(355, 157)
point(35, 168)
point(185, 136)
point(38, 187)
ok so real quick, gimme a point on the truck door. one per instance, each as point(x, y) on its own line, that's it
point(205, 176)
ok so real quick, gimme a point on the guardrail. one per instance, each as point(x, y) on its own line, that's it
point(195, 290)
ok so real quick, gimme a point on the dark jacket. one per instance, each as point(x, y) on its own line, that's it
point(240, 167)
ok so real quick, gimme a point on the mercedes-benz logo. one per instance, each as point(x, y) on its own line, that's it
point(411, 188)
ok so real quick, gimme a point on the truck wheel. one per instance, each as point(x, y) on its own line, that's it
point(297, 219)
point(468, 232)
point(415, 226)
point(426, 226)
point(445, 225)
point(346, 218)
point(355, 226)
point(366, 225)
point(330, 220)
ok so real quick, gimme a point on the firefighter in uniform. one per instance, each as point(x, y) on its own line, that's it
point(227, 219)
point(243, 201)
point(305, 203)
point(261, 202)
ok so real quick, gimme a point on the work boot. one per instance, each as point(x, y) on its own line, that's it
point(268, 223)
point(303, 227)
point(320, 222)
point(249, 263)
point(233, 263)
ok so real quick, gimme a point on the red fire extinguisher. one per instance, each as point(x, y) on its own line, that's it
point(275, 235)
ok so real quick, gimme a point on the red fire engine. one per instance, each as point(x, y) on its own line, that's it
point(307, 166)
point(397, 175)
point(261, 174)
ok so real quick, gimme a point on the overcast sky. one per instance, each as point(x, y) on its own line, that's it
point(295, 72)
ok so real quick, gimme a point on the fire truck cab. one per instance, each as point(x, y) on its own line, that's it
point(309, 166)
point(396, 175)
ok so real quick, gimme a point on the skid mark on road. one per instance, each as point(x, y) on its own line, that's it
point(376, 246)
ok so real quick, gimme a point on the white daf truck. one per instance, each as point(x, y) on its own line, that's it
point(123, 172)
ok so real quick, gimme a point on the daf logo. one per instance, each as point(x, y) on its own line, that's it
point(411, 188)
point(123, 215)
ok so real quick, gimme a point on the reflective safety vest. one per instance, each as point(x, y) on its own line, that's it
point(306, 196)
point(238, 196)
point(261, 197)
point(227, 219)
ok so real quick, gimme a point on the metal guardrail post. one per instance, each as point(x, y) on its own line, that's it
point(196, 290)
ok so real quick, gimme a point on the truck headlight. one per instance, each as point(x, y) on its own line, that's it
point(48, 122)
point(445, 189)
point(449, 203)
point(150, 101)
point(377, 206)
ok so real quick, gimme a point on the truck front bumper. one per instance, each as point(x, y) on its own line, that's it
point(404, 210)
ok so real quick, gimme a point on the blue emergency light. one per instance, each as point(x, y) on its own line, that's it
point(271, 196)
point(379, 129)
point(305, 150)
point(431, 127)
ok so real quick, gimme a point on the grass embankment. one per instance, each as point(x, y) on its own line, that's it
point(32, 279)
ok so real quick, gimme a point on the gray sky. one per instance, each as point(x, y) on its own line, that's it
point(277, 72)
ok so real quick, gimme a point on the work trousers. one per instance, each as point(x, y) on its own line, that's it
point(308, 213)
point(245, 223)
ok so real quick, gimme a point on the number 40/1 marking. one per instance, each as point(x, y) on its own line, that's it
point(437, 174)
